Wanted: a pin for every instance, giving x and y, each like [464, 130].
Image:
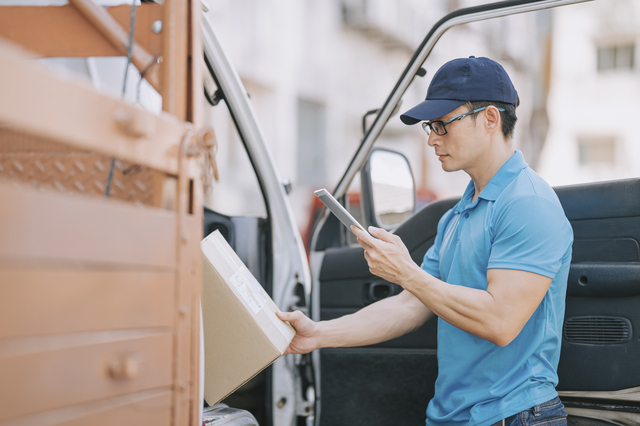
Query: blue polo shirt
[518, 223]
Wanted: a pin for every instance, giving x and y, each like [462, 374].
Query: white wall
[290, 49]
[585, 103]
[285, 50]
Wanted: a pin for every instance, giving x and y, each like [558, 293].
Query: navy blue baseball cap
[460, 81]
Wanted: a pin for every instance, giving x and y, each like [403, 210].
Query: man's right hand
[384, 320]
[306, 338]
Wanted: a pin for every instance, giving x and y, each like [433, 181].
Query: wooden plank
[71, 112]
[190, 274]
[182, 410]
[41, 227]
[189, 229]
[155, 412]
[183, 346]
[196, 224]
[196, 228]
[196, 101]
[61, 31]
[52, 301]
[175, 53]
[52, 379]
[144, 408]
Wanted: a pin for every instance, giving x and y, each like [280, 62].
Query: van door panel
[391, 383]
[387, 383]
[602, 319]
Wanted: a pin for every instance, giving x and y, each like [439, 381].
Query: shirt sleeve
[530, 234]
[431, 260]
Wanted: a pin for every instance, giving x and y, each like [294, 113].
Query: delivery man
[495, 276]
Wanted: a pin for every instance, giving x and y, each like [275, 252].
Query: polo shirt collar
[507, 173]
[465, 201]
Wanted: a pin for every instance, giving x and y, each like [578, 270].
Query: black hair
[508, 116]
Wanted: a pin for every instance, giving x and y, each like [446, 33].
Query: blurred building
[593, 105]
[313, 69]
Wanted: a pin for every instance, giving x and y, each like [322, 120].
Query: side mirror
[388, 190]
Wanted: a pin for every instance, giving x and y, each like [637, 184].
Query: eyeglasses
[440, 127]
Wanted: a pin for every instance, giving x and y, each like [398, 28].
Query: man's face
[464, 143]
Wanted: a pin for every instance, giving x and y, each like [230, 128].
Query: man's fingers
[284, 316]
[378, 233]
[358, 232]
[291, 317]
[385, 236]
[364, 239]
[381, 234]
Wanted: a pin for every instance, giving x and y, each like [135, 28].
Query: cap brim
[429, 110]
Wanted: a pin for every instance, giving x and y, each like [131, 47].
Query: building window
[616, 57]
[596, 151]
[311, 143]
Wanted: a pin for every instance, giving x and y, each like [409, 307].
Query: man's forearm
[378, 322]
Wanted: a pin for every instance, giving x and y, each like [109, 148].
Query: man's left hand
[386, 254]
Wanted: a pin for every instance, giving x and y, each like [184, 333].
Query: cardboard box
[242, 334]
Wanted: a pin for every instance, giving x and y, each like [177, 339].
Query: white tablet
[337, 209]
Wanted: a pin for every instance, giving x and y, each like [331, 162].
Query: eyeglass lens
[436, 126]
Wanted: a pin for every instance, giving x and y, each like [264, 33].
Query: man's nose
[433, 139]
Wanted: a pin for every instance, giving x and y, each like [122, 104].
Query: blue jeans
[549, 413]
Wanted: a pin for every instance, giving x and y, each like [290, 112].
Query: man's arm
[384, 320]
[497, 314]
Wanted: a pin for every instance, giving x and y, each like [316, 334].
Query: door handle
[377, 291]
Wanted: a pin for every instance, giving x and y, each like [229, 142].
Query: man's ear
[493, 117]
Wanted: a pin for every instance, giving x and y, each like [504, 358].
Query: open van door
[268, 243]
[392, 382]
